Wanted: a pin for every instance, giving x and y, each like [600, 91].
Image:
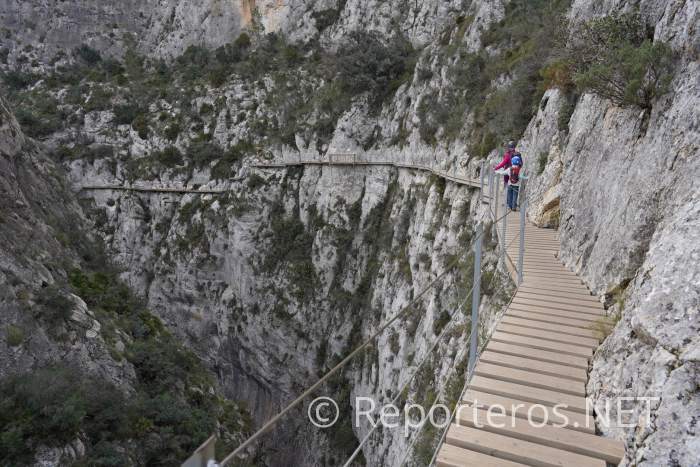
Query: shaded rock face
[38, 210]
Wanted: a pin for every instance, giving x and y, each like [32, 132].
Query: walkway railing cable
[413, 375]
[270, 423]
[420, 428]
[467, 384]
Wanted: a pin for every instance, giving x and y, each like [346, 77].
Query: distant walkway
[351, 160]
[151, 189]
[332, 160]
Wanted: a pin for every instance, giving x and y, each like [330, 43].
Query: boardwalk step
[537, 354]
[573, 291]
[561, 438]
[535, 366]
[590, 309]
[453, 456]
[541, 310]
[535, 380]
[545, 318]
[548, 334]
[563, 298]
[541, 344]
[535, 412]
[527, 393]
[548, 326]
[514, 449]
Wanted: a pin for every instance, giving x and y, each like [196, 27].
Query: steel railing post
[492, 177]
[496, 184]
[476, 296]
[481, 182]
[503, 228]
[521, 252]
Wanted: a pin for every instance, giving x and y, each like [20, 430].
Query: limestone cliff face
[270, 311]
[623, 188]
[50, 30]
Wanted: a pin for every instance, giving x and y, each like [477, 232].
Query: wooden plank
[453, 456]
[548, 269]
[516, 450]
[541, 282]
[541, 344]
[545, 318]
[522, 409]
[527, 393]
[543, 310]
[535, 380]
[562, 298]
[554, 276]
[548, 334]
[587, 309]
[550, 279]
[561, 438]
[537, 354]
[535, 366]
[548, 326]
[573, 291]
[556, 301]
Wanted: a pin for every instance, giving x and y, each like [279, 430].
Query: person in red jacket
[505, 163]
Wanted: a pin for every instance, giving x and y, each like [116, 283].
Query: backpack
[515, 174]
[517, 159]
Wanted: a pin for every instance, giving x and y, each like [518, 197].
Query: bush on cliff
[615, 57]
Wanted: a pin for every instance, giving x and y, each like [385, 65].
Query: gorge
[204, 313]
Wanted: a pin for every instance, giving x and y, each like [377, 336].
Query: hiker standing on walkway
[513, 175]
[505, 163]
[516, 165]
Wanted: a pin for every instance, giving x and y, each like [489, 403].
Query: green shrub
[87, 54]
[54, 306]
[326, 18]
[222, 169]
[172, 131]
[615, 57]
[367, 65]
[14, 335]
[169, 157]
[140, 125]
[16, 80]
[255, 181]
[126, 113]
[99, 290]
[567, 110]
[203, 153]
[100, 99]
[83, 152]
[39, 115]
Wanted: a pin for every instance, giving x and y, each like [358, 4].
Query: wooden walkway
[536, 358]
[142, 189]
[453, 175]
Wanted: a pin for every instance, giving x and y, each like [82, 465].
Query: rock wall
[623, 186]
